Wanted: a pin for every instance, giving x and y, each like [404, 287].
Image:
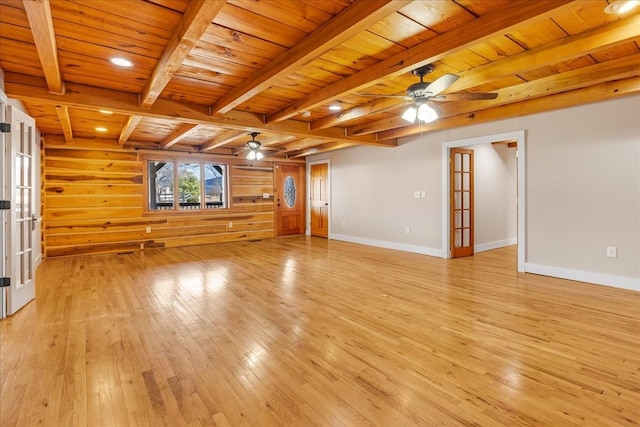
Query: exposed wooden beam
[91, 98]
[322, 149]
[65, 122]
[194, 23]
[356, 18]
[376, 106]
[223, 139]
[564, 49]
[571, 98]
[622, 68]
[570, 47]
[474, 32]
[41, 23]
[128, 128]
[178, 135]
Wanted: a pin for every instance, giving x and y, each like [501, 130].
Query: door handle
[326, 204]
[34, 219]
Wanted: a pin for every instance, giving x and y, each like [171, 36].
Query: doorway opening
[518, 138]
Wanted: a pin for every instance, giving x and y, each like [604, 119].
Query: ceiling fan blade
[464, 96]
[441, 83]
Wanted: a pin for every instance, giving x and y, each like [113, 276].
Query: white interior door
[20, 173]
[5, 140]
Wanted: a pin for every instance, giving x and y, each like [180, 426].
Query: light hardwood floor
[304, 331]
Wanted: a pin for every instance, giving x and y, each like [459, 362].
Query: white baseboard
[494, 245]
[388, 245]
[584, 276]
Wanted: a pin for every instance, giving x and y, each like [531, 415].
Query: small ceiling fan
[254, 147]
[421, 93]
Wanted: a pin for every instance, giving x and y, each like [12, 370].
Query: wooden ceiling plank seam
[178, 135]
[354, 19]
[224, 139]
[481, 29]
[128, 128]
[600, 92]
[65, 122]
[616, 69]
[612, 34]
[125, 103]
[194, 23]
[41, 23]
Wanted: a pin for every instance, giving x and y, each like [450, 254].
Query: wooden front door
[319, 200]
[461, 202]
[290, 207]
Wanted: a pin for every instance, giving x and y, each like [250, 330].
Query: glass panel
[23, 135]
[21, 241]
[26, 163]
[466, 218]
[465, 162]
[458, 219]
[457, 181]
[457, 239]
[466, 202]
[457, 163]
[457, 201]
[189, 185]
[465, 181]
[160, 185]
[214, 185]
[290, 192]
[466, 234]
[27, 203]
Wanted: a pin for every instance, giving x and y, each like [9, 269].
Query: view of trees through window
[192, 181]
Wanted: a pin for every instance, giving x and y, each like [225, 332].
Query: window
[185, 186]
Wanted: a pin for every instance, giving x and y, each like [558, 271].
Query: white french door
[19, 153]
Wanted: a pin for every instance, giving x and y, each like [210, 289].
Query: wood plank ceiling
[207, 73]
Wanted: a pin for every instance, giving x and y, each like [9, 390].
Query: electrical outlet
[142, 246]
[612, 251]
[407, 230]
[265, 195]
[148, 230]
[230, 224]
[344, 223]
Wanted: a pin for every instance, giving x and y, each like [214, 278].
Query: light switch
[416, 194]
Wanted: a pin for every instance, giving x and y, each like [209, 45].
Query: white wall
[583, 191]
[495, 201]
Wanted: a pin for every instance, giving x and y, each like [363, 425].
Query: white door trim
[519, 136]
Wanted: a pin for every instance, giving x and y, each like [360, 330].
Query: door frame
[308, 213]
[519, 136]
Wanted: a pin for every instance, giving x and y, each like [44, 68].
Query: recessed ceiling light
[620, 7]
[335, 107]
[107, 112]
[101, 129]
[121, 62]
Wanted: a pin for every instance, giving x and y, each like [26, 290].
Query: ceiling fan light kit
[620, 7]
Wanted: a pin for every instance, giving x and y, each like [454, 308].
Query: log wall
[94, 203]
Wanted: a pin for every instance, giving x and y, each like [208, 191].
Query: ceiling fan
[421, 93]
[254, 147]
